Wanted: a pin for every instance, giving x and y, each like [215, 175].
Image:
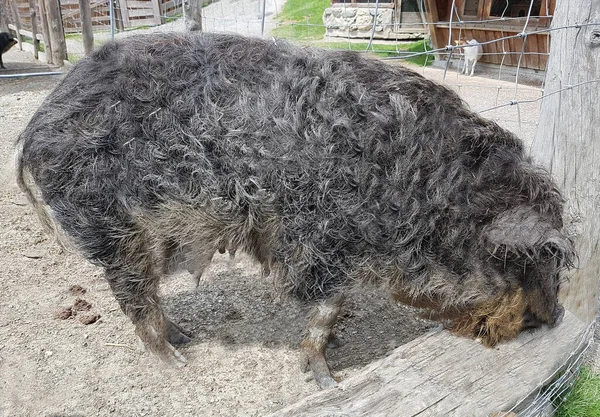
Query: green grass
[382, 50]
[420, 46]
[301, 20]
[73, 59]
[385, 50]
[583, 400]
[29, 40]
[74, 36]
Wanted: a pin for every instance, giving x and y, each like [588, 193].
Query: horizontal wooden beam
[27, 33]
[440, 374]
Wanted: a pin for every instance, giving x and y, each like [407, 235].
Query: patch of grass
[29, 40]
[583, 400]
[301, 20]
[73, 59]
[173, 18]
[74, 36]
[362, 46]
[385, 50]
[420, 46]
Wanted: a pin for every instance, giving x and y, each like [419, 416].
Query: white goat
[472, 52]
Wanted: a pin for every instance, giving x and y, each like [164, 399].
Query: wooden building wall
[482, 25]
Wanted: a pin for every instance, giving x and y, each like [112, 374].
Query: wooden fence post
[86, 26]
[124, 13]
[157, 11]
[192, 10]
[119, 18]
[45, 32]
[3, 20]
[566, 140]
[433, 18]
[15, 12]
[56, 32]
[34, 29]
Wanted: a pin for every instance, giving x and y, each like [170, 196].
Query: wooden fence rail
[26, 17]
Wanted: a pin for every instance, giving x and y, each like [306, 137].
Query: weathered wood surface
[56, 32]
[192, 10]
[17, 22]
[34, 28]
[566, 141]
[86, 26]
[440, 374]
[46, 31]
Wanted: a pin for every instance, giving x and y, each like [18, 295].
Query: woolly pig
[328, 168]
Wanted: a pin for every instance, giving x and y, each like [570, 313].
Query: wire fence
[515, 50]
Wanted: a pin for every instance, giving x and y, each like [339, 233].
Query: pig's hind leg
[137, 294]
[318, 336]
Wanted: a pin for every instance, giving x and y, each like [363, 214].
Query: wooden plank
[518, 48]
[439, 374]
[545, 48]
[133, 13]
[124, 12]
[132, 4]
[545, 11]
[45, 31]
[431, 12]
[500, 46]
[533, 47]
[34, 29]
[566, 142]
[509, 44]
[493, 49]
[23, 32]
[486, 7]
[192, 10]
[143, 22]
[157, 16]
[26, 32]
[86, 26]
[55, 26]
[17, 20]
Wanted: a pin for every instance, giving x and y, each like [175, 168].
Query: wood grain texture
[566, 141]
[440, 374]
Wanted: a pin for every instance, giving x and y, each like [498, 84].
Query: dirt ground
[244, 359]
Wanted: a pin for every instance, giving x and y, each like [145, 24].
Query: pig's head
[522, 253]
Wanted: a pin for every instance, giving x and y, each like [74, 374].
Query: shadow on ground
[238, 306]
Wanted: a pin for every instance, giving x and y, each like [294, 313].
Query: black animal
[6, 42]
[329, 168]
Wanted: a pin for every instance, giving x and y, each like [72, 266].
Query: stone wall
[357, 22]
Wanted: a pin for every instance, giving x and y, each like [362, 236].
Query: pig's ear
[524, 232]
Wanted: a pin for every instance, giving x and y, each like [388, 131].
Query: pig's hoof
[174, 358]
[176, 335]
[325, 381]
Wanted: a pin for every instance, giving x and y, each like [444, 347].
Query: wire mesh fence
[514, 37]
